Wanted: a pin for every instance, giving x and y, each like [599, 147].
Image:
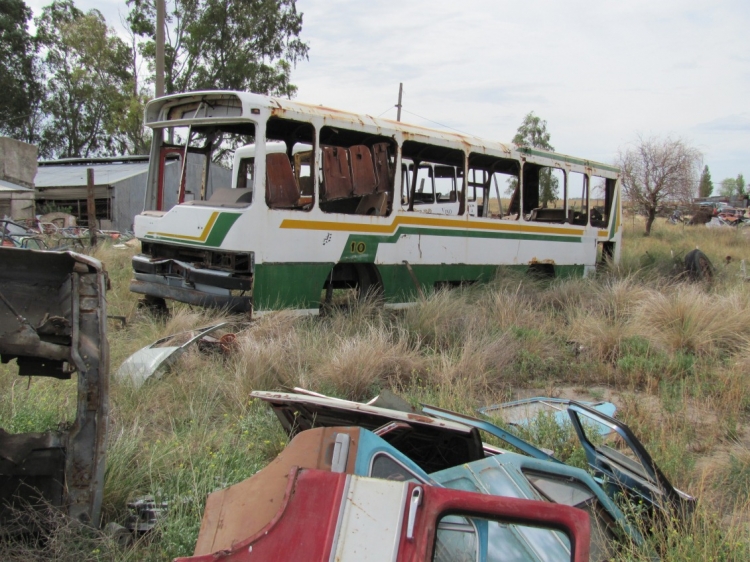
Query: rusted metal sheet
[326, 516]
[53, 322]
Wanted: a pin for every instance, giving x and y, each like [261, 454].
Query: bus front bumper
[176, 280]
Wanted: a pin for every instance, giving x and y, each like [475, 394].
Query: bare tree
[658, 172]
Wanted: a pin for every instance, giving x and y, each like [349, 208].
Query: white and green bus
[324, 200]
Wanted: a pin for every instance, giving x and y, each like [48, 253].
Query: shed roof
[9, 186]
[74, 175]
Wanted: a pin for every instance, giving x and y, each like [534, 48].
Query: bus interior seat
[282, 191]
[380, 157]
[337, 179]
[374, 204]
[364, 181]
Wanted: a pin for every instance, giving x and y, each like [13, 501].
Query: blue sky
[599, 71]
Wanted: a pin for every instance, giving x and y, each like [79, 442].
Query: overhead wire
[432, 121]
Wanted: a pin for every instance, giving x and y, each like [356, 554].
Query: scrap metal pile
[366, 482]
[55, 231]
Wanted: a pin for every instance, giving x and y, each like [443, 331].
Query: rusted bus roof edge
[386, 127]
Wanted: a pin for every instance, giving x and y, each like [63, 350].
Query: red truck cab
[327, 516]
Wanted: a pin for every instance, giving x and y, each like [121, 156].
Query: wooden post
[91, 205]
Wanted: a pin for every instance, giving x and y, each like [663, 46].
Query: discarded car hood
[431, 443]
[154, 359]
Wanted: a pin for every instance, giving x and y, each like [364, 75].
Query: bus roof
[236, 107]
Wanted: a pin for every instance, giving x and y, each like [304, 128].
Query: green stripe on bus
[362, 248]
[215, 238]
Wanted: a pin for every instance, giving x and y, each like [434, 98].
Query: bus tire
[155, 306]
[541, 271]
[369, 283]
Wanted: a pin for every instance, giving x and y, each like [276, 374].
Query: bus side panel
[289, 285]
[399, 286]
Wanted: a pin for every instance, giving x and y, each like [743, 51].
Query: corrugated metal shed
[68, 175]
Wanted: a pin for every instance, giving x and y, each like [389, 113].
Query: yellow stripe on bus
[201, 238]
[424, 221]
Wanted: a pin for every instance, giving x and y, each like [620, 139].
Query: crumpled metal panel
[53, 322]
[155, 358]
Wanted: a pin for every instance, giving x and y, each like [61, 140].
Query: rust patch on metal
[423, 419]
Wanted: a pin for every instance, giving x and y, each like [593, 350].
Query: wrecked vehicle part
[610, 466]
[635, 473]
[145, 514]
[521, 413]
[246, 507]
[353, 518]
[359, 451]
[432, 443]
[154, 359]
[519, 476]
[53, 322]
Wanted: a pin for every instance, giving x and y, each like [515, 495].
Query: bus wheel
[541, 271]
[349, 283]
[156, 306]
[369, 285]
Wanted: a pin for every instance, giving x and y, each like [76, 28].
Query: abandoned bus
[322, 200]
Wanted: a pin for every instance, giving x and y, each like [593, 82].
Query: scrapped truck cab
[334, 516]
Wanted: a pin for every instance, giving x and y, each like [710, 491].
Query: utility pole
[398, 105]
[160, 16]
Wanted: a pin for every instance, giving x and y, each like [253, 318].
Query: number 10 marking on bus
[357, 248]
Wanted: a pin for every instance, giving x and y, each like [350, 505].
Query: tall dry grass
[675, 357]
